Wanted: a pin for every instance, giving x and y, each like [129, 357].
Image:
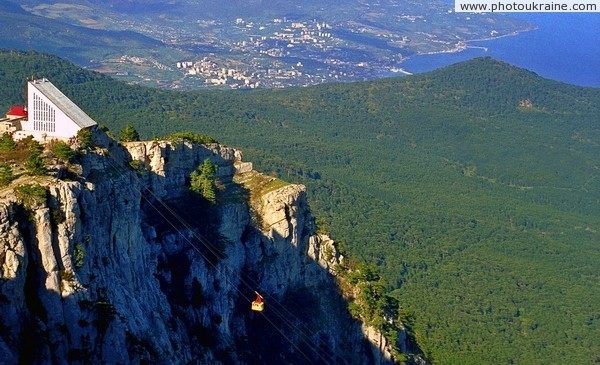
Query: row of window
[44, 115]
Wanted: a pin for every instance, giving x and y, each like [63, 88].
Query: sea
[563, 47]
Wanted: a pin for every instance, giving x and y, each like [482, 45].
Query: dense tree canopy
[473, 189]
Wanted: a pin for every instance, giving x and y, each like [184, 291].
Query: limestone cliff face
[121, 266]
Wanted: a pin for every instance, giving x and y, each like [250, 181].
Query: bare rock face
[171, 163]
[122, 266]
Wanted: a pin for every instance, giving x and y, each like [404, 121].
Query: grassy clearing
[258, 185]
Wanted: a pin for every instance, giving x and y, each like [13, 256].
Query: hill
[473, 188]
[82, 45]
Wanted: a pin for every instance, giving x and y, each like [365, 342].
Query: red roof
[17, 111]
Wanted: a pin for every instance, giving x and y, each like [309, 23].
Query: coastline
[562, 47]
[515, 33]
[463, 45]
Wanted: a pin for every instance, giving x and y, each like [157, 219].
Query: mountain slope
[24, 31]
[473, 188]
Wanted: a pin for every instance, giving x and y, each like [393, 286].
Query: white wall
[64, 127]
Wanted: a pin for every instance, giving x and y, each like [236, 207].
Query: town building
[17, 112]
[49, 115]
[13, 119]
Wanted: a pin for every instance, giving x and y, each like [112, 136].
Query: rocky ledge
[120, 265]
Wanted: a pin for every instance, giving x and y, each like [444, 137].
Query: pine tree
[129, 134]
[7, 143]
[35, 163]
[6, 174]
[85, 138]
[62, 151]
[202, 181]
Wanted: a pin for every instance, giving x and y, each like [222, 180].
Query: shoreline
[463, 45]
[513, 34]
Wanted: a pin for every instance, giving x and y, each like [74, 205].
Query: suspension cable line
[285, 318]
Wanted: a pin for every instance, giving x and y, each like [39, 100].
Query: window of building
[44, 115]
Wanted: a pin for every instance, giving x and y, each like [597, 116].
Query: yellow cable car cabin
[258, 305]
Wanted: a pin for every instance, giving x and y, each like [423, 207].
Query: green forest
[475, 189]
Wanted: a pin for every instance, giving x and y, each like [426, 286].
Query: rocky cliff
[119, 263]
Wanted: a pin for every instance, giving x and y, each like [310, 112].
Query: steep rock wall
[122, 266]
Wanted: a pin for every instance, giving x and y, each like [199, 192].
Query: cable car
[258, 305]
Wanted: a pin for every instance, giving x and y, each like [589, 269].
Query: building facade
[50, 114]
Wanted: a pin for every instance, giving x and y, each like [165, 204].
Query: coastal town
[278, 41]
[279, 49]
[273, 54]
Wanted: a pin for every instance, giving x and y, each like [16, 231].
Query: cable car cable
[233, 286]
[272, 308]
[211, 248]
[215, 251]
[207, 259]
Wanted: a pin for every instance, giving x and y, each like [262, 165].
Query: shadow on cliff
[308, 322]
[306, 319]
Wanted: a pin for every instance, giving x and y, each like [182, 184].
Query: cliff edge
[120, 263]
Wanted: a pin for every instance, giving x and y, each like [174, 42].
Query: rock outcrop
[123, 265]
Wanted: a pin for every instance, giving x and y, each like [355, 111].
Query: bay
[564, 47]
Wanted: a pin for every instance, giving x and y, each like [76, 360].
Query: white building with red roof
[13, 119]
[16, 112]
